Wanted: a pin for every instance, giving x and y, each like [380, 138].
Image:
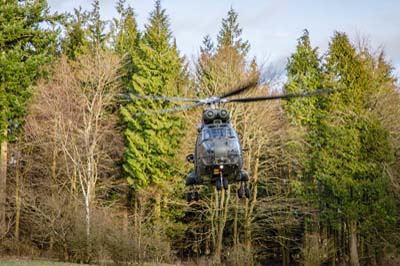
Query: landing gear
[243, 190]
[226, 184]
[192, 195]
[192, 180]
[218, 184]
[222, 182]
[247, 192]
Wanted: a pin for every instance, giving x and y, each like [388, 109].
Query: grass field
[35, 263]
[26, 262]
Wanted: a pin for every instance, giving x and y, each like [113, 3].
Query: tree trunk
[235, 226]
[353, 244]
[3, 183]
[125, 220]
[221, 222]
[17, 198]
[332, 252]
[88, 240]
[157, 216]
[285, 254]
[138, 225]
[219, 234]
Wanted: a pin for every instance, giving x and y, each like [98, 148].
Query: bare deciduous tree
[78, 106]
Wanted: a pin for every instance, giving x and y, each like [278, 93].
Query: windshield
[218, 132]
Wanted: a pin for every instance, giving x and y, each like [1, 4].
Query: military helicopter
[218, 157]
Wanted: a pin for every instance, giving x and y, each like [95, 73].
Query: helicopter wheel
[195, 196]
[218, 184]
[247, 192]
[226, 184]
[192, 196]
[240, 191]
[189, 197]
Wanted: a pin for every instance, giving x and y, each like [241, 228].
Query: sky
[271, 26]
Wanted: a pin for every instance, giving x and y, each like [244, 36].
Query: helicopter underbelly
[212, 165]
[214, 170]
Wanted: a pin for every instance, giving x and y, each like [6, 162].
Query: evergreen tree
[356, 150]
[97, 27]
[208, 46]
[344, 162]
[205, 74]
[304, 73]
[85, 30]
[226, 66]
[126, 39]
[230, 34]
[75, 33]
[24, 47]
[152, 140]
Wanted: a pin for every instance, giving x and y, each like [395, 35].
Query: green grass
[35, 263]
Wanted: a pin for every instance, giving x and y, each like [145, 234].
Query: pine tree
[345, 163]
[230, 34]
[225, 66]
[24, 47]
[153, 140]
[126, 39]
[205, 74]
[304, 73]
[125, 29]
[85, 31]
[75, 37]
[97, 36]
[357, 147]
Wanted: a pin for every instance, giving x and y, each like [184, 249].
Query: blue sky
[271, 26]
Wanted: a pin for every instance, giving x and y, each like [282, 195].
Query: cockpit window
[218, 132]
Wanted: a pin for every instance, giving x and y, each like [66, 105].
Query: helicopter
[218, 156]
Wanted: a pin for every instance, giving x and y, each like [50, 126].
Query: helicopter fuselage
[218, 155]
[218, 152]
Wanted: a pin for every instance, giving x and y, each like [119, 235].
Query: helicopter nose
[221, 160]
[221, 152]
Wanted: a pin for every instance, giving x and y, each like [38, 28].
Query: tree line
[83, 179]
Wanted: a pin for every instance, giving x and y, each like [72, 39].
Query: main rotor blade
[170, 110]
[166, 98]
[239, 90]
[160, 98]
[284, 96]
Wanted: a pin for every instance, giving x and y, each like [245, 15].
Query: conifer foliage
[24, 47]
[152, 141]
[349, 148]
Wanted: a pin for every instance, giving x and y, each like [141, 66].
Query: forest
[83, 179]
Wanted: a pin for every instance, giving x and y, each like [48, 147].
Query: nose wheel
[222, 182]
[243, 190]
